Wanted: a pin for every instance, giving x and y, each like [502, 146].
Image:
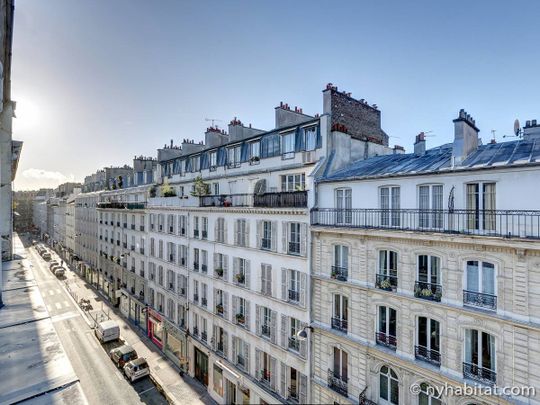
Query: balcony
[219, 309]
[141, 228]
[240, 319]
[240, 279]
[226, 200]
[133, 227]
[289, 199]
[195, 297]
[125, 224]
[362, 400]
[337, 383]
[118, 224]
[265, 330]
[218, 273]
[132, 269]
[428, 291]
[481, 300]
[292, 395]
[195, 331]
[195, 266]
[122, 206]
[294, 343]
[265, 376]
[339, 273]
[204, 301]
[294, 248]
[132, 248]
[294, 296]
[386, 340]
[182, 291]
[203, 336]
[425, 354]
[195, 233]
[266, 243]
[204, 268]
[480, 374]
[501, 223]
[141, 251]
[124, 245]
[386, 282]
[204, 234]
[339, 324]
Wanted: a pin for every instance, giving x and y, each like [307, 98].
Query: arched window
[428, 278]
[479, 356]
[387, 276]
[388, 386]
[340, 313]
[428, 395]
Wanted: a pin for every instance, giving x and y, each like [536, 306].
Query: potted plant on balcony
[386, 285]
[152, 191]
[240, 318]
[200, 188]
[219, 308]
[219, 272]
[254, 159]
[167, 190]
[240, 278]
[333, 274]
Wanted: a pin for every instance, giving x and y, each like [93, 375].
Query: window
[294, 238]
[171, 252]
[170, 223]
[220, 230]
[428, 395]
[430, 204]
[479, 356]
[294, 286]
[339, 375]
[160, 249]
[204, 223]
[428, 278]
[196, 259]
[311, 138]
[254, 152]
[386, 329]
[266, 241]
[195, 227]
[390, 204]
[213, 160]
[428, 341]
[480, 285]
[220, 266]
[196, 163]
[182, 225]
[387, 277]
[266, 321]
[160, 275]
[293, 182]
[152, 247]
[241, 232]
[343, 205]
[288, 144]
[204, 294]
[340, 313]
[266, 279]
[215, 188]
[388, 386]
[182, 255]
[218, 380]
[195, 291]
[481, 206]
[241, 276]
[340, 269]
[233, 154]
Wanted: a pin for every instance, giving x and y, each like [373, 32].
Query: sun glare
[28, 115]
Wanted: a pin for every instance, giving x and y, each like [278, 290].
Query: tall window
[388, 386]
[340, 269]
[311, 138]
[213, 160]
[481, 206]
[266, 321]
[340, 313]
[233, 154]
[287, 145]
[390, 205]
[343, 205]
[294, 286]
[266, 241]
[204, 223]
[430, 203]
[387, 278]
[254, 152]
[340, 371]
[387, 327]
[480, 285]
[479, 356]
[294, 238]
[428, 279]
[428, 395]
[196, 227]
[428, 341]
[182, 225]
[241, 232]
[220, 230]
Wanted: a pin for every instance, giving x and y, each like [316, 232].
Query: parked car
[107, 331]
[136, 369]
[53, 263]
[59, 272]
[46, 256]
[121, 355]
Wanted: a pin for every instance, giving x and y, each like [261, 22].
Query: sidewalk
[33, 364]
[177, 389]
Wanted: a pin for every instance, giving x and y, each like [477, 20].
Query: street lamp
[302, 335]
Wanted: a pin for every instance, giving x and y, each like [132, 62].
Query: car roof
[139, 361]
[125, 349]
[108, 324]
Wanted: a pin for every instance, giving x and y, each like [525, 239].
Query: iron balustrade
[292, 394]
[285, 199]
[141, 250]
[125, 224]
[141, 228]
[219, 309]
[294, 295]
[294, 248]
[122, 206]
[362, 400]
[386, 282]
[203, 336]
[429, 355]
[240, 361]
[501, 223]
[478, 299]
[196, 297]
[480, 374]
[133, 227]
[386, 340]
[266, 243]
[226, 200]
[118, 224]
[195, 233]
[339, 273]
[337, 383]
[204, 268]
[265, 330]
[294, 343]
[339, 324]
[132, 248]
[204, 302]
[204, 234]
[195, 331]
[428, 291]
[265, 376]
[196, 266]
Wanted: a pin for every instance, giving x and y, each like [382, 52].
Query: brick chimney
[465, 137]
[420, 144]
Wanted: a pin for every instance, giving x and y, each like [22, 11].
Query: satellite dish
[517, 127]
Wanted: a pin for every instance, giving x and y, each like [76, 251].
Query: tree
[200, 188]
[167, 190]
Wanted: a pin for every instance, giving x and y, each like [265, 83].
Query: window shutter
[303, 344]
[224, 231]
[236, 232]
[246, 236]
[273, 327]
[258, 321]
[303, 239]
[284, 229]
[284, 284]
[263, 278]
[216, 230]
[247, 315]
[269, 279]
[248, 273]
[234, 354]
[284, 337]
[214, 337]
[225, 344]
[235, 267]
[302, 389]
[257, 363]
[235, 307]
[225, 305]
[246, 357]
[303, 282]
[259, 234]
[273, 372]
[226, 267]
[215, 297]
[283, 380]
[273, 242]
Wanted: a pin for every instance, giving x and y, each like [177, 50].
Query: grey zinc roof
[439, 159]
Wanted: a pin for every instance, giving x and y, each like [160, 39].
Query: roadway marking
[117, 373]
[63, 317]
[146, 390]
[58, 305]
[66, 304]
[51, 292]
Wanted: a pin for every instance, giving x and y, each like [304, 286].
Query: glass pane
[472, 276]
[423, 268]
[488, 278]
[422, 331]
[394, 394]
[382, 319]
[393, 322]
[383, 387]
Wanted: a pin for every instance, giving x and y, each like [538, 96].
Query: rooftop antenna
[493, 135]
[213, 120]
[429, 134]
[517, 130]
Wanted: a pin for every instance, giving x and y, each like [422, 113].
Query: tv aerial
[212, 120]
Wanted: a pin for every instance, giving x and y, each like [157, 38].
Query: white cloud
[46, 175]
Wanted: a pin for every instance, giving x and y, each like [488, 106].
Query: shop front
[137, 312]
[176, 345]
[155, 328]
[201, 366]
[124, 303]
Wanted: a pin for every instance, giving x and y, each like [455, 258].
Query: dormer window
[195, 163]
[233, 154]
[311, 138]
[213, 160]
[254, 152]
[287, 145]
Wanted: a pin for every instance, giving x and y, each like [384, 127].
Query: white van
[107, 331]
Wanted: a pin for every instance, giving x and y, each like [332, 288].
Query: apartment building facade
[424, 268]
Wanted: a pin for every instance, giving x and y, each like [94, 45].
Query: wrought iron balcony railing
[122, 206]
[294, 343]
[429, 355]
[265, 330]
[386, 340]
[288, 199]
[362, 400]
[339, 273]
[480, 374]
[386, 282]
[428, 291]
[501, 223]
[337, 383]
[226, 200]
[294, 296]
[339, 324]
[481, 300]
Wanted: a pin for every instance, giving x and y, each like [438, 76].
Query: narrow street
[101, 381]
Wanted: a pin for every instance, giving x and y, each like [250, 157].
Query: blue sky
[99, 81]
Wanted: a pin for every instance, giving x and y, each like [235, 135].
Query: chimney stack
[420, 144]
[465, 137]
